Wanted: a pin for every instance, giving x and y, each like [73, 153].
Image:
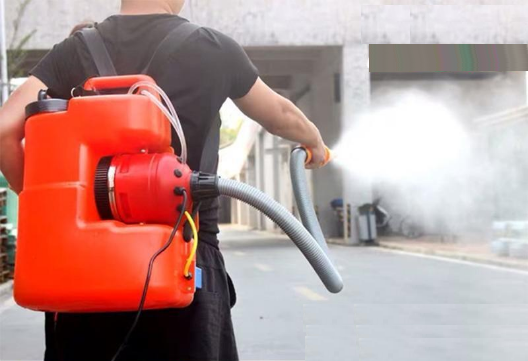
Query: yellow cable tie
[195, 244]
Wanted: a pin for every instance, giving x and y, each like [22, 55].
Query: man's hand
[318, 156]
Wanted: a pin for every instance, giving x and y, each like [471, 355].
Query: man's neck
[144, 7]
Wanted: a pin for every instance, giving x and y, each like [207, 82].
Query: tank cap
[46, 106]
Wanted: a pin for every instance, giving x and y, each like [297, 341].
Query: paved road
[394, 307]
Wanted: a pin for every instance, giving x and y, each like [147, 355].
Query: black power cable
[149, 274]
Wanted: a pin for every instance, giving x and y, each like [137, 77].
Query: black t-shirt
[206, 70]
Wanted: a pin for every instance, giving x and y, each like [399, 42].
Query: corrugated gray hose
[312, 250]
[302, 197]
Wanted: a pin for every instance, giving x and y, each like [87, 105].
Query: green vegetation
[228, 136]
[232, 120]
[16, 54]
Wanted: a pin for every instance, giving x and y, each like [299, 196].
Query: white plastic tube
[167, 110]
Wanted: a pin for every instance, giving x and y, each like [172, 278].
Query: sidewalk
[469, 250]
[465, 249]
[6, 289]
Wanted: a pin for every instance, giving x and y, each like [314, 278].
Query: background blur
[431, 162]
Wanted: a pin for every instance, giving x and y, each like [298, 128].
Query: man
[207, 69]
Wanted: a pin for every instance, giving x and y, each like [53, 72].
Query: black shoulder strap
[209, 160]
[98, 51]
[103, 62]
[172, 42]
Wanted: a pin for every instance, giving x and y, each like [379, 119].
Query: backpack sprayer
[106, 201]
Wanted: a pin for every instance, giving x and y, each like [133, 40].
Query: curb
[457, 256]
[6, 289]
[251, 236]
[343, 242]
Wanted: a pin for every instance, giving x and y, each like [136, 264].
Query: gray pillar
[325, 100]
[356, 98]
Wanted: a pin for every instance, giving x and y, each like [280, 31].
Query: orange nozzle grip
[328, 155]
[308, 155]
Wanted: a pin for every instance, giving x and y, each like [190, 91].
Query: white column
[355, 100]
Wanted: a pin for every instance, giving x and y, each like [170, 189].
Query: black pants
[201, 332]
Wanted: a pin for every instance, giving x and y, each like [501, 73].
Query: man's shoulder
[213, 42]
[212, 36]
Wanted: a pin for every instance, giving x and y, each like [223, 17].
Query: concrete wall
[502, 137]
[54, 19]
[346, 24]
[309, 22]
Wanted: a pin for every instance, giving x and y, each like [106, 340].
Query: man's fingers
[314, 165]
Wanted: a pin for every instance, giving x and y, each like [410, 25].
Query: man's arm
[12, 118]
[281, 117]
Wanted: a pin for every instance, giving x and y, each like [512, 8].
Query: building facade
[317, 54]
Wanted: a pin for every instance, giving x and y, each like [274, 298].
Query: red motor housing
[142, 188]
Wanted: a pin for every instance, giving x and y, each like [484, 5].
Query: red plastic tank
[68, 259]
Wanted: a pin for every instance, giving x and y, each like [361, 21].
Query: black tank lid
[44, 105]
